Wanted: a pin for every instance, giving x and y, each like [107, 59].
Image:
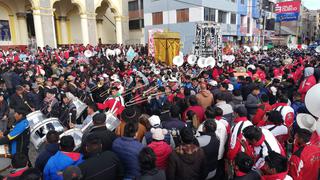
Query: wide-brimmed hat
[130, 114]
[318, 127]
[70, 78]
[306, 121]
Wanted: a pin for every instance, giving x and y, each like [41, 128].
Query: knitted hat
[158, 133]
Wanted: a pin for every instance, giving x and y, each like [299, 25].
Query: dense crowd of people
[244, 120]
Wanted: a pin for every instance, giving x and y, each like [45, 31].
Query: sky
[312, 4]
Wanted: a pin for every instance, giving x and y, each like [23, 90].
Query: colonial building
[136, 22]
[59, 22]
[183, 15]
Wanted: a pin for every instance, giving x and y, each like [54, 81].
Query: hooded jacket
[100, 166]
[205, 98]
[187, 162]
[44, 156]
[127, 149]
[57, 163]
[162, 151]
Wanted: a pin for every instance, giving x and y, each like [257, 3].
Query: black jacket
[17, 102]
[210, 145]
[104, 134]
[252, 175]
[102, 166]
[64, 115]
[153, 174]
[4, 109]
[48, 151]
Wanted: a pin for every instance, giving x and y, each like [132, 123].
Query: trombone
[144, 94]
[128, 91]
[105, 93]
[96, 87]
[143, 99]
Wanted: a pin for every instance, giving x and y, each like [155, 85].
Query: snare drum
[40, 130]
[34, 118]
[76, 134]
[5, 155]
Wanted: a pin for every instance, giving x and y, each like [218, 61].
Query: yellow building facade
[62, 22]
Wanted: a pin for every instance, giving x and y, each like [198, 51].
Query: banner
[287, 17]
[151, 40]
[287, 7]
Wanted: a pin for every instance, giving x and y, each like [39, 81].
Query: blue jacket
[128, 149]
[48, 151]
[58, 162]
[18, 137]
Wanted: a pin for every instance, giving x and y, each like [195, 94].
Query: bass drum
[40, 130]
[34, 118]
[76, 134]
[80, 106]
[112, 122]
[5, 160]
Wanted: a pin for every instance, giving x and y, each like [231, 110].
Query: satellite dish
[192, 59]
[178, 61]
[312, 100]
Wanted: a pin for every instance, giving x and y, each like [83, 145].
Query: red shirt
[279, 176]
[305, 163]
[109, 103]
[198, 110]
[305, 85]
[315, 139]
[261, 111]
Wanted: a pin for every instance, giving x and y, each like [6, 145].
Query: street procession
[175, 106]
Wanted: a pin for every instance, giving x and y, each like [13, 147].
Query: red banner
[287, 7]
